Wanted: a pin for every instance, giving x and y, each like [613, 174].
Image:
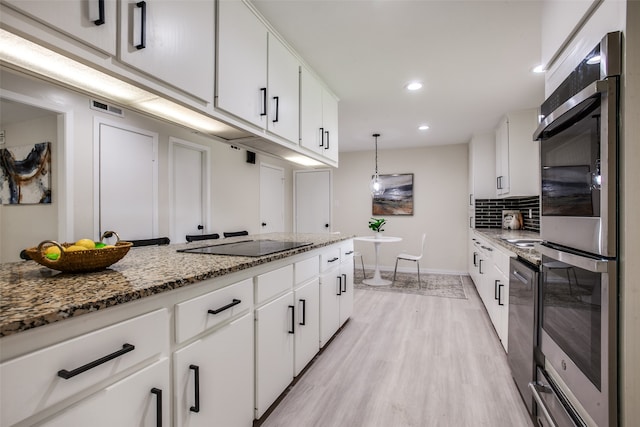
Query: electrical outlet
[2, 137]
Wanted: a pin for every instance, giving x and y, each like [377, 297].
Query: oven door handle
[594, 265]
[591, 91]
[536, 389]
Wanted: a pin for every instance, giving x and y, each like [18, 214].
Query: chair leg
[418, 264]
[362, 262]
[395, 270]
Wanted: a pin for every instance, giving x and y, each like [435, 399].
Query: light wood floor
[408, 360]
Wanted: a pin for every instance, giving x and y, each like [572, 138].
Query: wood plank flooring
[407, 360]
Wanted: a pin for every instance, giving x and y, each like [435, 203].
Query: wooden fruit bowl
[80, 261]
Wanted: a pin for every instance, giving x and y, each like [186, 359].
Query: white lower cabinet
[213, 378]
[346, 291]
[275, 328]
[141, 399]
[330, 290]
[307, 323]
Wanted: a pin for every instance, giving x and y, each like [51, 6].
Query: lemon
[52, 250]
[86, 243]
[74, 248]
[109, 246]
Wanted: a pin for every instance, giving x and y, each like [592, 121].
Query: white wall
[40, 220]
[440, 204]
[235, 183]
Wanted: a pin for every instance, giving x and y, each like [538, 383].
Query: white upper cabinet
[517, 155]
[242, 63]
[258, 77]
[92, 22]
[283, 90]
[318, 117]
[482, 157]
[173, 41]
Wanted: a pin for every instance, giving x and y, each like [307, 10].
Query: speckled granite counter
[496, 235]
[32, 295]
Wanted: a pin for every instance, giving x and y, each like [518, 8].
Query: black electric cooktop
[246, 248]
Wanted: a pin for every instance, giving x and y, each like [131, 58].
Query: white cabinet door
[307, 324]
[502, 158]
[141, 399]
[312, 201]
[172, 41]
[346, 291]
[330, 123]
[330, 289]
[311, 128]
[283, 73]
[242, 63]
[501, 310]
[275, 327]
[80, 19]
[213, 378]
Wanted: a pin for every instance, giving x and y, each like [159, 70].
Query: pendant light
[376, 186]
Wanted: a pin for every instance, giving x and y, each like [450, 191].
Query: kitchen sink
[523, 243]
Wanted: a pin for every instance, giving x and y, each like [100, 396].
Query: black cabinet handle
[339, 285]
[100, 19]
[495, 289]
[263, 92]
[470, 199]
[480, 266]
[470, 222]
[348, 253]
[321, 137]
[333, 260]
[344, 284]
[326, 147]
[475, 259]
[158, 394]
[500, 286]
[143, 23]
[126, 348]
[277, 99]
[293, 319]
[196, 380]
[264, 224]
[200, 227]
[226, 307]
[304, 312]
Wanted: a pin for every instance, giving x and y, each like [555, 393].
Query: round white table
[377, 240]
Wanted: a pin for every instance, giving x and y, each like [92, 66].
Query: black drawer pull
[348, 253]
[100, 19]
[293, 319]
[333, 259]
[226, 307]
[304, 312]
[143, 23]
[158, 394]
[63, 373]
[196, 380]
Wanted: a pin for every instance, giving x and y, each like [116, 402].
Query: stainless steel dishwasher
[523, 326]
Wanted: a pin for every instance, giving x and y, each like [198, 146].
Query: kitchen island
[168, 335]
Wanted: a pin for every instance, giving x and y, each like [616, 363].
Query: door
[190, 189]
[271, 199]
[313, 201]
[307, 316]
[127, 181]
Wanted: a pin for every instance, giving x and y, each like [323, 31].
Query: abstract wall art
[397, 198]
[25, 174]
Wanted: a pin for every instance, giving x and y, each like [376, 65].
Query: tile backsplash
[489, 212]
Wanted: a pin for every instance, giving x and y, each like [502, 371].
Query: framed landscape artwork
[397, 198]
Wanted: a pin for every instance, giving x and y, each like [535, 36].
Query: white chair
[359, 254]
[414, 258]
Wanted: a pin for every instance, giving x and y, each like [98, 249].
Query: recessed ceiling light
[423, 127]
[414, 86]
[539, 69]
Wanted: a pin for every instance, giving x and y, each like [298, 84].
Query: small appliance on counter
[512, 220]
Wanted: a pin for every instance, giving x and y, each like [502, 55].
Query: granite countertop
[32, 295]
[496, 235]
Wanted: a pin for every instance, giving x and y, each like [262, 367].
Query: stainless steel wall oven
[578, 306]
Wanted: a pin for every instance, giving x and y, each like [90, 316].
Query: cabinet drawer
[329, 258]
[346, 251]
[501, 260]
[306, 270]
[31, 382]
[194, 316]
[273, 283]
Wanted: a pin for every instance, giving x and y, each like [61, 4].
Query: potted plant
[376, 225]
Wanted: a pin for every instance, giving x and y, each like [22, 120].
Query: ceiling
[475, 59]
